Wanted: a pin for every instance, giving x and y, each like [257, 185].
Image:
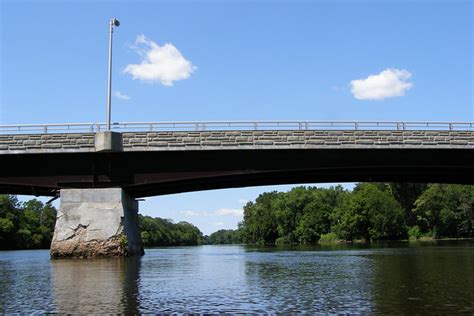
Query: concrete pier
[96, 223]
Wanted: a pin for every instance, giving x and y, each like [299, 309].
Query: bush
[414, 233]
[329, 237]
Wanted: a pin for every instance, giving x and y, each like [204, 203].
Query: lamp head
[115, 22]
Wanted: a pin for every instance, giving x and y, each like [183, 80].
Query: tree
[406, 194]
[163, 232]
[260, 224]
[316, 219]
[446, 210]
[370, 214]
[25, 225]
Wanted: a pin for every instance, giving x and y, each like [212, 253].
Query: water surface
[435, 277]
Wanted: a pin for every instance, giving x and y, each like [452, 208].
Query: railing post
[45, 129]
[450, 126]
[356, 125]
[255, 126]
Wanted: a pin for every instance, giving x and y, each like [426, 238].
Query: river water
[428, 277]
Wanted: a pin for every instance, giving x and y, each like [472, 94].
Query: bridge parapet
[245, 139]
[43, 143]
[295, 139]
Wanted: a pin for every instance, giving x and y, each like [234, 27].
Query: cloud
[389, 83]
[229, 211]
[163, 64]
[243, 201]
[190, 213]
[119, 95]
[218, 224]
[219, 212]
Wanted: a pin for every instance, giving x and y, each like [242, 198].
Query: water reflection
[424, 279]
[405, 278]
[107, 285]
[25, 282]
[315, 281]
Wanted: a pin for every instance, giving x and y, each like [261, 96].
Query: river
[426, 277]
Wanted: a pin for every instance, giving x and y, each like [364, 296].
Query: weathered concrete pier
[96, 223]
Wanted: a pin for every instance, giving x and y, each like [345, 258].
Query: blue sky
[235, 60]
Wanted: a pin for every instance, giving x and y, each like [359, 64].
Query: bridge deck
[154, 163]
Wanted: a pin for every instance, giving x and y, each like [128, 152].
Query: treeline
[224, 237]
[303, 215]
[27, 225]
[157, 232]
[371, 212]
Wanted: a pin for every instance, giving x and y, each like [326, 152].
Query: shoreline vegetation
[371, 212]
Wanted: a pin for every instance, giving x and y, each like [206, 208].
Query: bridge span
[146, 159]
[200, 155]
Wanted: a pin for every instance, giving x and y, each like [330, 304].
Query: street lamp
[113, 22]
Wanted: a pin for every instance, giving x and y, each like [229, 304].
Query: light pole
[113, 22]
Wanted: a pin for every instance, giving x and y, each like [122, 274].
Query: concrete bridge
[94, 170]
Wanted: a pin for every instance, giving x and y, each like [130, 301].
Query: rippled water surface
[395, 278]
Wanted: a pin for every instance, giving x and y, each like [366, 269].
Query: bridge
[91, 169]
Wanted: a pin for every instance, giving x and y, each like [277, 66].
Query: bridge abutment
[96, 223]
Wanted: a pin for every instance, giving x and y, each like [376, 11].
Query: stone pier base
[96, 223]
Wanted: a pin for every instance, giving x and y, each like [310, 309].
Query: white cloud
[389, 83]
[190, 213]
[163, 64]
[218, 224]
[229, 211]
[219, 212]
[119, 95]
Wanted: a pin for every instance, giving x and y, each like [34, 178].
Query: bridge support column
[96, 223]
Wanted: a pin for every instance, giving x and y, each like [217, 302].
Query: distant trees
[372, 211]
[28, 225]
[224, 237]
[157, 231]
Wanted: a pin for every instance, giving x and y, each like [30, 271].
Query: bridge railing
[234, 125]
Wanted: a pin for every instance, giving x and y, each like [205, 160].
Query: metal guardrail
[234, 125]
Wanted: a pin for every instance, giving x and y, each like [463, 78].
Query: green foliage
[25, 225]
[225, 236]
[299, 216]
[163, 232]
[378, 211]
[329, 237]
[260, 223]
[414, 233]
[406, 194]
[446, 210]
[123, 241]
[370, 214]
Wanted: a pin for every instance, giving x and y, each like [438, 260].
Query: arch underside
[151, 173]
